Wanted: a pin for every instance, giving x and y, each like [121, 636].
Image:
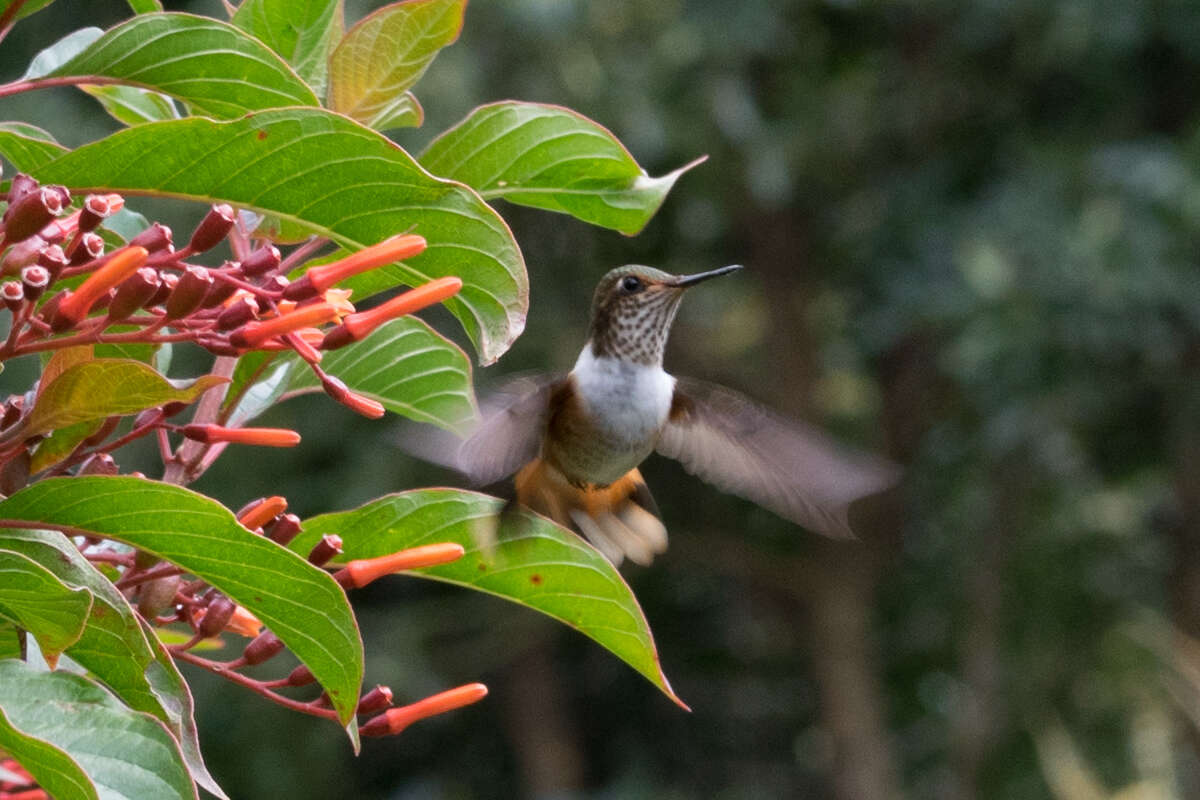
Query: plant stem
[217, 668]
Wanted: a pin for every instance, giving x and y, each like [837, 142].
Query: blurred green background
[970, 232]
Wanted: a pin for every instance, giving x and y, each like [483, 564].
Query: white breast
[629, 402]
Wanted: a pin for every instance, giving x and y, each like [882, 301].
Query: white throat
[630, 401]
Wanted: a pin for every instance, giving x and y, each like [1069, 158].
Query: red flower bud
[219, 293]
[167, 281]
[258, 513]
[98, 464]
[133, 293]
[239, 312]
[357, 326]
[158, 595]
[263, 647]
[14, 295]
[156, 237]
[335, 388]
[53, 259]
[31, 213]
[394, 720]
[360, 572]
[255, 333]
[189, 293]
[35, 279]
[213, 228]
[98, 207]
[317, 279]
[329, 546]
[264, 437]
[22, 254]
[216, 616]
[90, 247]
[284, 529]
[261, 261]
[21, 185]
[377, 699]
[120, 266]
[300, 676]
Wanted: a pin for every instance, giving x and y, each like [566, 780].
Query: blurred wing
[785, 466]
[508, 436]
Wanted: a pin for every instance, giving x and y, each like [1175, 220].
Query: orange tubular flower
[394, 720]
[254, 333]
[120, 266]
[262, 512]
[357, 326]
[318, 279]
[264, 437]
[360, 572]
[243, 623]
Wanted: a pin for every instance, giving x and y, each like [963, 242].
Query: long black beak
[685, 281]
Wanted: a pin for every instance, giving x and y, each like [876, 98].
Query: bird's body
[575, 442]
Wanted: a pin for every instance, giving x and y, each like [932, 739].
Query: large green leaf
[334, 177]
[123, 753]
[304, 33]
[532, 562]
[115, 648]
[382, 56]
[553, 158]
[32, 597]
[28, 147]
[405, 365]
[217, 69]
[300, 603]
[62, 51]
[105, 387]
[50, 766]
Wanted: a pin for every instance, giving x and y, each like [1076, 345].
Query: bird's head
[633, 309]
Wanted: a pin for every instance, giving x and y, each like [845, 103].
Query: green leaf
[59, 53]
[115, 648]
[30, 7]
[28, 147]
[304, 33]
[126, 224]
[336, 178]
[551, 158]
[11, 645]
[50, 766]
[300, 603]
[133, 105]
[145, 6]
[105, 387]
[61, 443]
[214, 67]
[535, 563]
[124, 753]
[40, 603]
[258, 381]
[405, 365]
[387, 52]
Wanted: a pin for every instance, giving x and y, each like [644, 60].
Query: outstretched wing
[785, 466]
[508, 436]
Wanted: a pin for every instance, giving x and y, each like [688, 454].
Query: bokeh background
[970, 232]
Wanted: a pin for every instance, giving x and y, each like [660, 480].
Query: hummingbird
[574, 442]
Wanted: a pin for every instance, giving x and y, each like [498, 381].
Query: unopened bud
[53, 259]
[261, 261]
[284, 529]
[263, 647]
[324, 550]
[31, 213]
[394, 720]
[189, 293]
[264, 437]
[167, 281]
[35, 279]
[258, 513]
[300, 676]
[99, 464]
[21, 185]
[359, 404]
[213, 228]
[14, 295]
[216, 616]
[239, 312]
[133, 294]
[377, 699]
[156, 237]
[22, 254]
[90, 247]
[98, 207]
[219, 293]
[158, 595]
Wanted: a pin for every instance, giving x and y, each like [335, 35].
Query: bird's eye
[631, 283]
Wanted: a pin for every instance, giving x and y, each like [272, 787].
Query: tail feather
[619, 519]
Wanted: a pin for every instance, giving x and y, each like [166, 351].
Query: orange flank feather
[613, 517]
